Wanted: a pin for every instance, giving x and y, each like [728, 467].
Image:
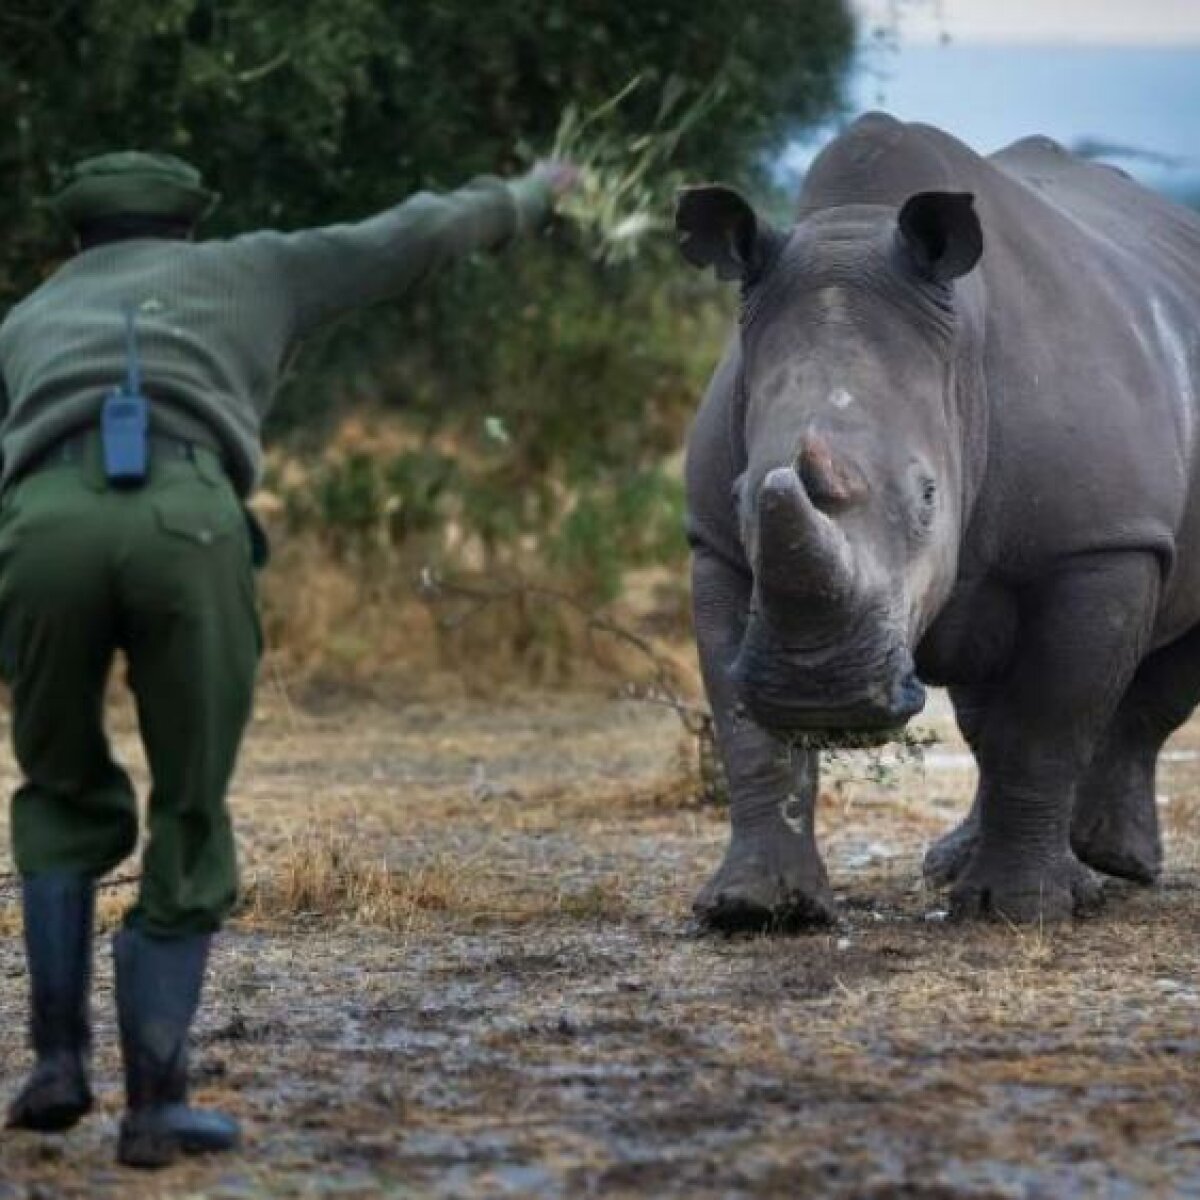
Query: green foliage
[624, 522]
[350, 498]
[594, 375]
[305, 112]
[365, 501]
[564, 382]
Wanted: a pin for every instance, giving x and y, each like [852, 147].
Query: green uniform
[164, 572]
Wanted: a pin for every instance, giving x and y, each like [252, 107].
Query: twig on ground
[434, 588]
[696, 720]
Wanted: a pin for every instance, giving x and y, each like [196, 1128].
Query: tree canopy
[324, 109]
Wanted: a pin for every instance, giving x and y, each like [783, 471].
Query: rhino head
[854, 342]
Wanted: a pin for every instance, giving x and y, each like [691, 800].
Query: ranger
[133, 386]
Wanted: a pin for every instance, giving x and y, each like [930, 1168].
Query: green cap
[129, 183]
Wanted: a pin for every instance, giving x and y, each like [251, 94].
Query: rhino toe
[947, 858]
[1041, 895]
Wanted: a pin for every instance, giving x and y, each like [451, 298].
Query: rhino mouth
[865, 722]
[854, 695]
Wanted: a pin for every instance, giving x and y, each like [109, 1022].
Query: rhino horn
[801, 554]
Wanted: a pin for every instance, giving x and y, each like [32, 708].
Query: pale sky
[1119, 77]
[1094, 22]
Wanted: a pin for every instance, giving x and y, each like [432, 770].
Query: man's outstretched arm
[330, 270]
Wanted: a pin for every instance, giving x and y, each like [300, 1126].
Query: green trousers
[164, 574]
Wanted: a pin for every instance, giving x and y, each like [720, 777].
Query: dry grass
[345, 604]
[335, 878]
[362, 621]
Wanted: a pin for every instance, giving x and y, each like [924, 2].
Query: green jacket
[217, 320]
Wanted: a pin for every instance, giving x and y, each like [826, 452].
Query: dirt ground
[465, 967]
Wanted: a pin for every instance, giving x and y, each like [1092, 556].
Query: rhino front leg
[1115, 827]
[772, 876]
[1081, 638]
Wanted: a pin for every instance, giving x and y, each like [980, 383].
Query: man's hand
[560, 174]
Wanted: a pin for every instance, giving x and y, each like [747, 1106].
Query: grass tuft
[338, 876]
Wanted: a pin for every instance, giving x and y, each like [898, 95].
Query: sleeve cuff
[534, 201]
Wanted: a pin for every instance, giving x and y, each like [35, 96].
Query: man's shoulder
[32, 300]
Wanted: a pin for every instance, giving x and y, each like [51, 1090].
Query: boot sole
[150, 1151]
[54, 1119]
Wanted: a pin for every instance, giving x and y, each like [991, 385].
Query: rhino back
[1091, 347]
[1094, 365]
[1110, 205]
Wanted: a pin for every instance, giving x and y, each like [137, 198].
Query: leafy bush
[553, 448]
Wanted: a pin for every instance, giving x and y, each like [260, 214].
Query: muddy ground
[465, 967]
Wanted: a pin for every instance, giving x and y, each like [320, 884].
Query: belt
[75, 447]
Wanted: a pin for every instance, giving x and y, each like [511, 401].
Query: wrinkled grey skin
[953, 441]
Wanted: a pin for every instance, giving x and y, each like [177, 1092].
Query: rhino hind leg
[1115, 823]
[947, 858]
[1114, 828]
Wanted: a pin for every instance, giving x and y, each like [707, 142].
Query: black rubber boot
[59, 910]
[158, 992]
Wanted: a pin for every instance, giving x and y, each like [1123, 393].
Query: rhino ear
[718, 228]
[941, 233]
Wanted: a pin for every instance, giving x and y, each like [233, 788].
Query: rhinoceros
[952, 441]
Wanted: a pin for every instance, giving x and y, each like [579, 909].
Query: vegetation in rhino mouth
[868, 755]
[903, 741]
[844, 739]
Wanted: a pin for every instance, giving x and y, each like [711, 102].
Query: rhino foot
[947, 858]
[1047, 893]
[1118, 837]
[767, 884]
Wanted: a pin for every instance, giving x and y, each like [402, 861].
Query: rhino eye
[927, 490]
